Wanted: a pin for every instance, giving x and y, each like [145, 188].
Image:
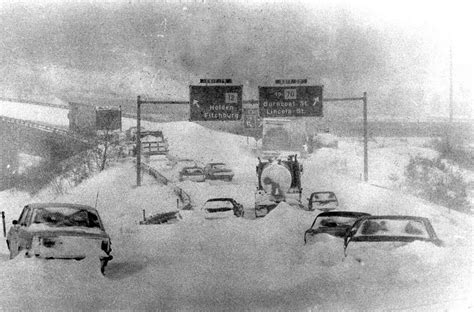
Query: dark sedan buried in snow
[323, 201]
[194, 174]
[218, 171]
[400, 230]
[59, 231]
[335, 223]
[220, 208]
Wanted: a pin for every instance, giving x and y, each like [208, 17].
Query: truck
[279, 180]
[87, 119]
[152, 142]
[283, 135]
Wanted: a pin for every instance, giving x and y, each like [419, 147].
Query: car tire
[103, 264]
[14, 250]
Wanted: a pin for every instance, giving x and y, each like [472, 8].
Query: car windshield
[219, 166]
[322, 197]
[391, 227]
[218, 204]
[193, 171]
[66, 216]
[332, 221]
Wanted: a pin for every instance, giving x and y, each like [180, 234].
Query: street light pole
[366, 140]
[138, 144]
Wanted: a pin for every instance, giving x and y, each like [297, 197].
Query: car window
[65, 217]
[218, 204]
[392, 227]
[24, 216]
[219, 166]
[193, 171]
[324, 197]
[331, 221]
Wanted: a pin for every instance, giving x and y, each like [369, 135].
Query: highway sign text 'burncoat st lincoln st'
[291, 101]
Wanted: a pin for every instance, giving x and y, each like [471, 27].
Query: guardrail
[34, 102]
[182, 195]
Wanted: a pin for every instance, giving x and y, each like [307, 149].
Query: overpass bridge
[49, 142]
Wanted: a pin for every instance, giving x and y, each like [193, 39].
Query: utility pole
[138, 144]
[450, 126]
[450, 84]
[366, 140]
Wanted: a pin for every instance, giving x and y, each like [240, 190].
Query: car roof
[397, 217]
[340, 213]
[70, 205]
[219, 198]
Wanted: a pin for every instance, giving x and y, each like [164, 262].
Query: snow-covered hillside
[241, 263]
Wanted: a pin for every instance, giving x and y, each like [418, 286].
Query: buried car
[324, 201]
[335, 223]
[59, 231]
[195, 174]
[399, 230]
[218, 171]
[220, 208]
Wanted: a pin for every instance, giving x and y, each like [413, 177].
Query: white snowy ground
[242, 264]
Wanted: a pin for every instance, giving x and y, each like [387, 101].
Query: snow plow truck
[278, 180]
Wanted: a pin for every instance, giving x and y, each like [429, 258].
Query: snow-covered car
[324, 201]
[392, 229]
[221, 208]
[59, 231]
[195, 174]
[335, 223]
[218, 171]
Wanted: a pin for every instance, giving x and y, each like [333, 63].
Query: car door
[24, 236]
[15, 233]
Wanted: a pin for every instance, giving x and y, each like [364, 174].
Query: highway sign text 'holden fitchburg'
[221, 102]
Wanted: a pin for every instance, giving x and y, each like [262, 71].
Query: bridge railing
[50, 129]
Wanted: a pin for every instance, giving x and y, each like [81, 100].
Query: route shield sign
[215, 103]
[291, 101]
[251, 119]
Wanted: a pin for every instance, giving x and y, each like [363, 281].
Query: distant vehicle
[218, 171]
[391, 229]
[278, 180]
[324, 201]
[59, 231]
[195, 174]
[220, 208]
[152, 142]
[335, 223]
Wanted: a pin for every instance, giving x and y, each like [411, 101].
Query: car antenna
[96, 199]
